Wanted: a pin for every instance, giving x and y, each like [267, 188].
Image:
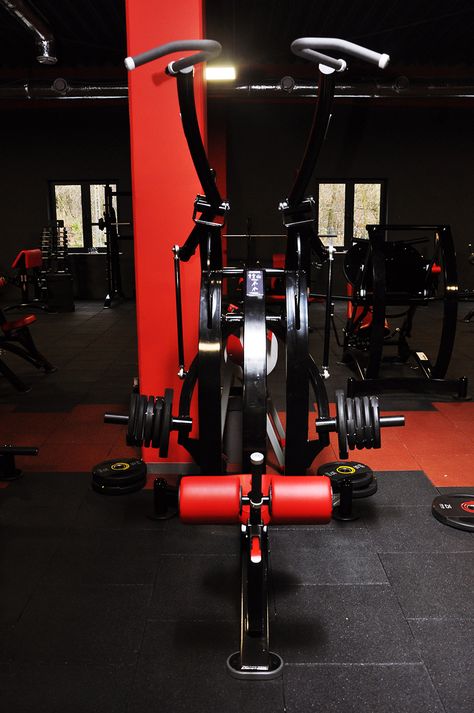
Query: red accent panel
[235, 350]
[19, 323]
[209, 499]
[255, 550]
[28, 259]
[164, 186]
[300, 499]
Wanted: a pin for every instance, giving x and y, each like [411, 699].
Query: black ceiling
[257, 33]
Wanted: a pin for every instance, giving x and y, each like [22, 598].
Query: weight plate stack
[364, 482]
[357, 423]
[119, 477]
[150, 421]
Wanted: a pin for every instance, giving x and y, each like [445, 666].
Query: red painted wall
[164, 185]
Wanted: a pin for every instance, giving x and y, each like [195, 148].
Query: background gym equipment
[455, 510]
[56, 273]
[469, 294]
[234, 358]
[8, 469]
[17, 339]
[28, 266]
[391, 279]
[109, 223]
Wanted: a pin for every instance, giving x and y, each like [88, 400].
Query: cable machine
[234, 341]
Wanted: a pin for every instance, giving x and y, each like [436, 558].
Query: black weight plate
[119, 465]
[455, 510]
[166, 423]
[140, 420]
[360, 475]
[132, 414]
[359, 423]
[374, 402]
[341, 423]
[120, 472]
[368, 427]
[155, 438]
[351, 435]
[111, 490]
[120, 481]
[148, 427]
[367, 491]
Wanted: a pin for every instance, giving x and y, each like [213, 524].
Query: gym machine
[468, 295]
[390, 278]
[230, 369]
[110, 225]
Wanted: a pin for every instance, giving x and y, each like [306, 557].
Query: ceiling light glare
[220, 74]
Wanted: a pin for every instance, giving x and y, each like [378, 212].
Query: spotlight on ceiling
[220, 74]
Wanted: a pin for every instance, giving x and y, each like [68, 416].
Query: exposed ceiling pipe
[398, 88]
[401, 88]
[60, 89]
[44, 38]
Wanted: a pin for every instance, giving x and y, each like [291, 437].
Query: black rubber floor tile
[42, 518]
[102, 512]
[466, 489]
[58, 688]
[341, 624]
[432, 585]
[400, 489]
[448, 652]
[14, 598]
[24, 557]
[81, 624]
[360, 689]
[98, 557]
[414, 530]
[49, 489]
[325, 557]
[174, 537]
[182, 669]
[191, 587]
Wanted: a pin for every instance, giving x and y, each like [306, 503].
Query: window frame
[85, 185]
[350, 184]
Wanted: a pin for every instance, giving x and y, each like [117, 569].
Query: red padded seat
[18, 323]
[28, 259]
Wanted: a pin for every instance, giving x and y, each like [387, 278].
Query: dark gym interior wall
[58, 143]
[426, 155]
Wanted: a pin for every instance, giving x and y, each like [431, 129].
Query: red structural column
[164, 186]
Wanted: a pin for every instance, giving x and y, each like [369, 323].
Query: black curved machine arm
[207, 49]
[309, 48]
[182, 69]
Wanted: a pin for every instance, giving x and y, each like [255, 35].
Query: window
[80, 205]
[346, 207]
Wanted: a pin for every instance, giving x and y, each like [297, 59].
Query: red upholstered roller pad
[18, 323]
[210, 499]
[215, 499]
[300, 499]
